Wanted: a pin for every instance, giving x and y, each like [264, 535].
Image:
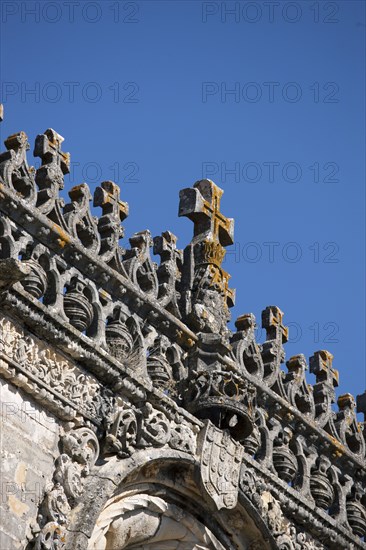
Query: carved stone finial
[245, 347]
[326, 380]
[321, 365]
[107, 196]
[245, 322]
[273, 352]
[350, 431]
[81, 224]
[169, 270]
[14, 169]
[50, 176]
[346, 401]
[272, 322]
[166, 245]
[48, 148]
[138, 264]
[201, 204]
[206, 294]
[298, 391]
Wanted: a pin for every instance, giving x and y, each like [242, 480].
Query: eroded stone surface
[130, 411]
[29, 438]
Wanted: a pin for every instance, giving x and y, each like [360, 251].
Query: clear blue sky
[141, 93]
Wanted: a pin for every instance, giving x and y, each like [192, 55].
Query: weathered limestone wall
[28, 445]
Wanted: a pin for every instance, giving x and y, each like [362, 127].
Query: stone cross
[48, 148]
[201, 204]
[272, 322]
[50, 175]
[321, 366]
[108, 197]
[166, 246]
[114, 212]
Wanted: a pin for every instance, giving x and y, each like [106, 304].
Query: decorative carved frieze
[129, 429]
[58, 379]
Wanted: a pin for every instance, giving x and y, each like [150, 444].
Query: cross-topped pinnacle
[48, 148]
[272, 322]
[297, 364]
[201, 204]
[212, 232]
[114, 212]
[165, 245]
[346, 401]
[108, 197]
[50, 176]
[321, 366]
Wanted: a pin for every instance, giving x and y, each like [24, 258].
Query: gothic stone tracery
[137, 365]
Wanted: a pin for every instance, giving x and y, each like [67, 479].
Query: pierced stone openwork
[133, 356]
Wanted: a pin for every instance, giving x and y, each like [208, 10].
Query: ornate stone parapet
[139, 356]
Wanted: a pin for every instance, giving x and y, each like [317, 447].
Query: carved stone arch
[152, 489]
[146, 522]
